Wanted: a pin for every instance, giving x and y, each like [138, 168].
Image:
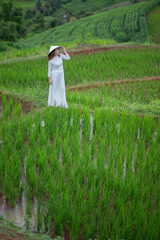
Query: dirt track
[84, 49]
[95, 48]
[122, 81]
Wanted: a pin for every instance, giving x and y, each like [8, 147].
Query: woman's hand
[50, 82]
[64, 50]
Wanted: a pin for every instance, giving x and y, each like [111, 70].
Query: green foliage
[11, 22]
[153, 24]
[8, 31]
[127, 24]
[29, 14]
[3, 47]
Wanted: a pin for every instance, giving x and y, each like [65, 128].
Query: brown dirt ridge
[122, 81]
[92, 49]
[26, 106]
[86, 49]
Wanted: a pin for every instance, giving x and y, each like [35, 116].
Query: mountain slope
[123, 25]
[154, 23]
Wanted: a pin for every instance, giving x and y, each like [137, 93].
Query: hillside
[153, 24]
[40, 15]
[127, 24]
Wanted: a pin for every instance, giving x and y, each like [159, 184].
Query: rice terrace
[92, 171]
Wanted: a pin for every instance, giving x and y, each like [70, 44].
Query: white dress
[57, 95]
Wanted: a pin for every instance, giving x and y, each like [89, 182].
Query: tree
[38, 4]
[134, 1]
[40, 20]
[11, 21]
[30, 14]
[8, 31]
[17, 15]
[7, 10]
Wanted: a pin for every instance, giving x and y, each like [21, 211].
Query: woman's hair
[51, 55]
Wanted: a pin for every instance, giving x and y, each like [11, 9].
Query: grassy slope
[96, 26]
[154, 24]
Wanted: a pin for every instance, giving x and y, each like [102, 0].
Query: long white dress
[57, 95]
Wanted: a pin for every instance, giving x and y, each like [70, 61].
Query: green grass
[23, 4]
[153, 24]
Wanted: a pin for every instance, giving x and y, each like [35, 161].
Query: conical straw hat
[52, 48]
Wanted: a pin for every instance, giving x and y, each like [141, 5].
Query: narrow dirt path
[95, 48]
[86, 49]
[122, 81]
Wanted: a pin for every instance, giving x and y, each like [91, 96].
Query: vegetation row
[95, 175]
[122, 24]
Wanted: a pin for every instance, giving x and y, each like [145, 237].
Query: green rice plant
[95, 187]
[10, 192]
[116, 62]
[31, 176]
[2, 167]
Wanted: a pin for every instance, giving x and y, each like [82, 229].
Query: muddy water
[18, 213]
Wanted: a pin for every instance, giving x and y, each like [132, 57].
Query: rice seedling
[92, 174]
[15, 74]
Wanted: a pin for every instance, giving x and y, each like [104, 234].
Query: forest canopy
[11, 22]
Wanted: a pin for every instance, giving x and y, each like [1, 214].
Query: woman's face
[56, 52]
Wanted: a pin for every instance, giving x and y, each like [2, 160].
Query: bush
[8, 31]
[121, 37]
[30, 14]
[53, 23]
[2, 47]
[11, 22]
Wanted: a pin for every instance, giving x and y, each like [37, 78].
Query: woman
[57, 95]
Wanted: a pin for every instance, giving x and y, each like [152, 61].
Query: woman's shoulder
[51, 60]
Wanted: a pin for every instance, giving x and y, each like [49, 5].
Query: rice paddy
[91, 171]
[85, 171]
[99, 67]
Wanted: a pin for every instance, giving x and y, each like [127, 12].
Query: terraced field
[93, 165]
[127, 24]
[90, 172]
